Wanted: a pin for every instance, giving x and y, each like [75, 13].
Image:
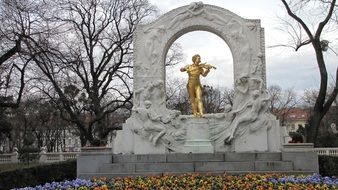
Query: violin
[207, 66]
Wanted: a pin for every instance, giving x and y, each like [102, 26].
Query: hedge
[38, 175]
[328, 165]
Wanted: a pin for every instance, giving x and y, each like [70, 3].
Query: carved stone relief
[161, 127]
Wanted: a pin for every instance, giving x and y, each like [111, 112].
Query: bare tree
[5, 127]
[16, 23]
[213, 102]
[228, 96]
[88, 61]
[305, 36]
[282, 102]
[41, 119]
[174, 55]
[327, 133]
[177, 95]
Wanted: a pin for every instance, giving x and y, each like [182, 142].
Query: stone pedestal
[302, 155]
[252, 142]
[90, 159]
[266, 138]
[14, 158]
[198, 136]
[298, 147]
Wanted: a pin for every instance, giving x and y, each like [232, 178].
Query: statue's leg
[231, 130]
[159, 135]
[234, 126]
[199, 100]
[192, 97]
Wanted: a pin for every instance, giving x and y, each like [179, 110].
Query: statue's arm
[154, 117]
[244, 106]
[205, 72]
[183, 69]
[239, 109]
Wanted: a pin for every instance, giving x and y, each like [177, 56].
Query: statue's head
[147, 103]
[227, 108]
[255, 93]
[242, 79]
[195, 57]
[196, 5]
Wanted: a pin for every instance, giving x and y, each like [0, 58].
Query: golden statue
[194, 85]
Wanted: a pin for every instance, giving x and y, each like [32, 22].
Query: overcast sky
[284, 66]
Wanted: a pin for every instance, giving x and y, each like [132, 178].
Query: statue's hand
[207, 66]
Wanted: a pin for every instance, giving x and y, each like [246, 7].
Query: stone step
[223, 166]
[135, 174]
[196, 157]
[244, 166]
[135, 158]
[273, 166]
[200, 166]
[147, 167]
[98, 163]
[261, 156]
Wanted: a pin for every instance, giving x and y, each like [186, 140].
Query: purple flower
[311, 179]
[61, 185]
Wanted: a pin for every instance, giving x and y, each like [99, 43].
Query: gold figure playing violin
[194, 85]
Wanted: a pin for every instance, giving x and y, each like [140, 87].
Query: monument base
[197, 136]
[302, 155]
[264, 139]
[256, 142]
[198, 146]
[112, 165]
[90, 160]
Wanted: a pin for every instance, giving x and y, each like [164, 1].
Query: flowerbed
[196, 181]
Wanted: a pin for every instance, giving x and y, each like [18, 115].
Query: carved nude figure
[249, 112]
[150, 129]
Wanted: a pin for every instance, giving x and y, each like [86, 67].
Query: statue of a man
[194, 85]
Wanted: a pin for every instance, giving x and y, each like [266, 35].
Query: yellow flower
[104, 187]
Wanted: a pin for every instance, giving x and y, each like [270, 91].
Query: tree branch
[327, 18]
[11, 52]
[332, 96]
[299, 20]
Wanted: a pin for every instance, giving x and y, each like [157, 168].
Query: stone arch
[185, 31]
[244, 37]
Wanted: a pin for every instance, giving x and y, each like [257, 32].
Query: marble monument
[247, 126]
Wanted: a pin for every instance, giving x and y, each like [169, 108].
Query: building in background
[296, 117]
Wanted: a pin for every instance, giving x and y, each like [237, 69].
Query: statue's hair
[195, 57]
[147, 103]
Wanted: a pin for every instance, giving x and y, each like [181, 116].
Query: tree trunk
[85, 135]
[312, 129]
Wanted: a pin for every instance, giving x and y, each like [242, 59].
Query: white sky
[284, 66]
